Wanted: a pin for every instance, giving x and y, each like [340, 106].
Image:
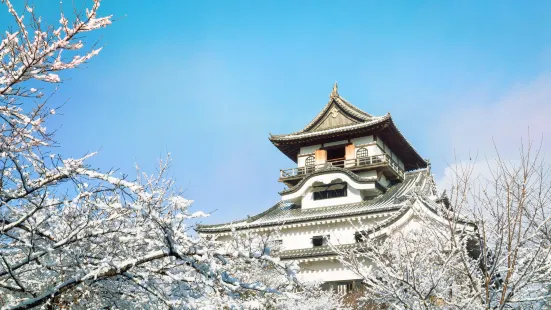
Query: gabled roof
[283, 212]
[341, 120]
[337, 106]
[337, 113]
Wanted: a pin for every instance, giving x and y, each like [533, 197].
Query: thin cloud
[472, 131]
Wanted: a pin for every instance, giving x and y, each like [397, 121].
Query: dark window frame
[333, 193]
[320, 240]
[359, 236]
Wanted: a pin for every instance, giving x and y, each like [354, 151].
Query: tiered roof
[283, 213]
[339, 120]
[327, 251]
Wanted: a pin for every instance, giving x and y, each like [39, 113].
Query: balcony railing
[352, 164]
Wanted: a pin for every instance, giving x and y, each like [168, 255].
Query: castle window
[362, 153]
[310, 164]
[344, 287]
[328, 191]
[362, 156]
[359, 237]
[320, 240]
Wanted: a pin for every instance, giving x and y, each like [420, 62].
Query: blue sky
[208, 81]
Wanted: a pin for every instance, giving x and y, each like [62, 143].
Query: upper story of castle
[349, 164]
[343, 137]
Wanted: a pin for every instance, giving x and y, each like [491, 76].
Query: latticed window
[310, 164]
[362, 153]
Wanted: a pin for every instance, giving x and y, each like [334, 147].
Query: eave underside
[385, 130]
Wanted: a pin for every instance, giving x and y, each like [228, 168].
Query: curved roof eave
[289, 144]
[372, 231]
[386, 202]
[327, 170]
[344, 105]
[302, 135]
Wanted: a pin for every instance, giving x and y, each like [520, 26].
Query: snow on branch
[72, 236]
[500, 258]
[35, 51]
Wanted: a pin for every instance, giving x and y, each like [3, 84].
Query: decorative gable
[334, 117]
[337, 113]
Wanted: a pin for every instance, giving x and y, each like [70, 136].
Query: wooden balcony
[383, 161]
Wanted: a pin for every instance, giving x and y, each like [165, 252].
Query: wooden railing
[346, 163]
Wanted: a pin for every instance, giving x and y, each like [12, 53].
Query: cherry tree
[491, 249]
[75, 237]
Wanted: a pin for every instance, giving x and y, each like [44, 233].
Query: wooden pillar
[350, 151]
[321, 157]
[350, 155]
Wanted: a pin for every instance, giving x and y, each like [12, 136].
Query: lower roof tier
[284, 212]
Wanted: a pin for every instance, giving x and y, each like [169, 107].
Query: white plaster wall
[309, 149]
[302, 160]
[306, 197]
[340, 233]
[379, 148]
[362, 140]
[374, 150]
[301, 237]
[343, 233]
[305, 152]
[369, 174]
[325, 271]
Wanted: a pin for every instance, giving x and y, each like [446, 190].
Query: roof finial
[335, 91]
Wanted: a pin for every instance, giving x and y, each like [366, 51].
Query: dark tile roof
[284, 213]
[359, 116]
[359, 124]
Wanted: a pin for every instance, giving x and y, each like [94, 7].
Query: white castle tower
[352, 167]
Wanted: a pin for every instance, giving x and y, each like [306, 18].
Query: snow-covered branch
[72, 236]
[499, 259]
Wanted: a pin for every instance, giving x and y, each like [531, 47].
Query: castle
[353, 169]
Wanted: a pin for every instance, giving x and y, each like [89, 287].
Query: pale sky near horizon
[208, 81]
